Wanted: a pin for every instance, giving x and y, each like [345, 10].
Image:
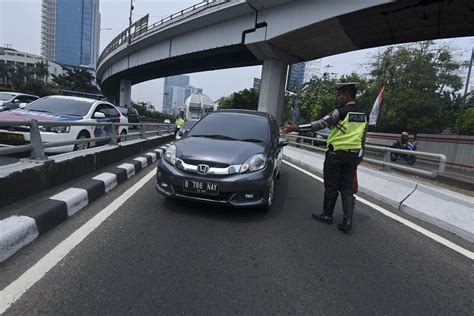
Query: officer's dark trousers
[339, 171]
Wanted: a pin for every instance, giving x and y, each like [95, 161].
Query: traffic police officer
[180, 120]
[345, 145]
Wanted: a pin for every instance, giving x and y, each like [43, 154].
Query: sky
[23, 34]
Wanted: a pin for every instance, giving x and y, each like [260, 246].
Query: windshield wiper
[215, 137]
[40, 111]
[251, 140]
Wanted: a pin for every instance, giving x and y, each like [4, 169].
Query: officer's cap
[340, 85]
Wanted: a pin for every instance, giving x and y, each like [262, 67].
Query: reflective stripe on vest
[347, 134]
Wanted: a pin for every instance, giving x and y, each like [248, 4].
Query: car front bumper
[234, 190]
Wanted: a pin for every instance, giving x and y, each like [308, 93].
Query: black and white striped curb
[18, 231]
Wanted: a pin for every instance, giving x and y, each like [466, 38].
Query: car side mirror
[99, 115]
[282, 141]
[185, 132]
[16, 101]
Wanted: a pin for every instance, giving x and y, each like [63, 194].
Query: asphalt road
[171, 257]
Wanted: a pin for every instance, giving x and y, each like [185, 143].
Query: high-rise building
[256, 83]
[70, 31]
[295, 76]
[169, 101]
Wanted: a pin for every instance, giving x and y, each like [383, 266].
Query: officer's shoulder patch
[357, 117]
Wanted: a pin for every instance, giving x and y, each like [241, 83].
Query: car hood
[23, 115]
[216, 150]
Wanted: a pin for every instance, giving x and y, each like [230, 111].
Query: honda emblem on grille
[203, 169]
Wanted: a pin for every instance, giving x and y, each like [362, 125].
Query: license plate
[11, 137]
[201, 187]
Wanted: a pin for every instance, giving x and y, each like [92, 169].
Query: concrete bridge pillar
[125, 95]
[272, 88]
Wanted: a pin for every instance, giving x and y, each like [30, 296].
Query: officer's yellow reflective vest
[179, 122]
[347, 134]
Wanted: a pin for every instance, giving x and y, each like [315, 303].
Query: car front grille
[209, 163]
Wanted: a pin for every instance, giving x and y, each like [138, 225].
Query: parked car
[64, 109]
[230, 157]
[130, 113]
[15, 100]
[185, 128]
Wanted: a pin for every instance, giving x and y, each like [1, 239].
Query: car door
[102, 131]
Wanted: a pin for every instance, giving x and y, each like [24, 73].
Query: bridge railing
[36, 146]
[141, 27]
[387, 151]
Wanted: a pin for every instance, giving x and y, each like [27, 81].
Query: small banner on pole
[374, 114]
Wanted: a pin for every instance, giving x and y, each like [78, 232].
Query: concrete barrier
[26, 178]
[446, 209]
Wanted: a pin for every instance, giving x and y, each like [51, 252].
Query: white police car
[63, 109]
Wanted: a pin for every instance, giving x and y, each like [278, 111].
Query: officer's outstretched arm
[327, 121]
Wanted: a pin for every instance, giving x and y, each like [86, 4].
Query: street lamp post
[130, 22]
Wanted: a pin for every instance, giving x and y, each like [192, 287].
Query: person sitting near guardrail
[345, 147]
[404, 139]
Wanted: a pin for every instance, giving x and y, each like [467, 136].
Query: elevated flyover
[225, 34]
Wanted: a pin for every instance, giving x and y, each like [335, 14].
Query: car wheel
[270, 195]
[122, 138]
[82, 146]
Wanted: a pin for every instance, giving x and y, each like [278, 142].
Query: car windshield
[189, 124]
[6, 96]
[61, 106]
[232, 126]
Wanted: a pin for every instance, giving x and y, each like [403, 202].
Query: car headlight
[253, 163]
[170, 154]
[55, 129]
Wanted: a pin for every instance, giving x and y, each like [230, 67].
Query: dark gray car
[230, 157]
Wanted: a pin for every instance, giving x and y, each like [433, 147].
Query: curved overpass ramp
[225, 34]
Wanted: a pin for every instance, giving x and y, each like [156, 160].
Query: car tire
[82, 146]
[121, 138]
[269, 197]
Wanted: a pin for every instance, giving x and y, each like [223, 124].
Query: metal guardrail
[37, 146]
[386, 163]
[141, 27]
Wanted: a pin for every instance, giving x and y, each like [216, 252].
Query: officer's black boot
[348, 204]
[328, 210]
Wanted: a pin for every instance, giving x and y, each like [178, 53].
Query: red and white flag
[374, 114]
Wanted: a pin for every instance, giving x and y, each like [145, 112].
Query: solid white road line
[75, 199]
[142, 160]
[10, 294]
[15, 233]
[109, 179]
[130, 169]
[399, 219]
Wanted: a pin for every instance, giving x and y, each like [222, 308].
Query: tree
[468, 122]
[421, 83]
[76, 79]
[318, 96]
[41, 70]
[245, 99]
